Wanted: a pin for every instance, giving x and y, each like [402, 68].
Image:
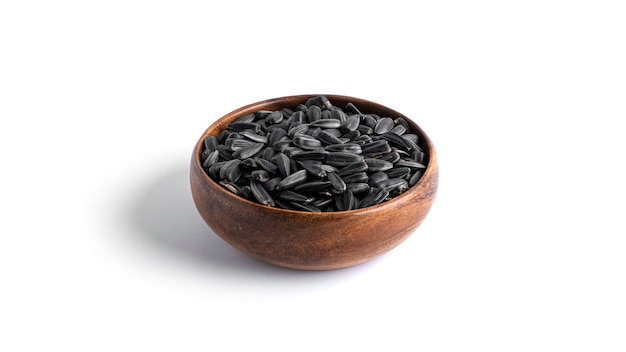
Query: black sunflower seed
[336, 182]
[313, 167]
[353, 168]
[248, 151]
[328, 138]
[253, 136]
[260, 175]
[283, 163]
[374, 165]
[342, 158]
[210, 143]
[345, 148]
[305, 141]
[261, 194]
[292, 180]
[376, 197]
[292, 196]
[384, 125]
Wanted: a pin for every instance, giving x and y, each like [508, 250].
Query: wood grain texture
[312, 241]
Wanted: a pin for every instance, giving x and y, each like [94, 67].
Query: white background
[102, 248]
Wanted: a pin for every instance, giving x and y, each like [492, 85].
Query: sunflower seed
[297, 129]
[283, 205]
[242, 126]
[210, 143]
[345, 148]
[231, 171]
[294, 197]
[298, 117]
[275, 135]
[249, 164]
[260, 175]
[292, 180]
[411, 137]
[384, 125]
[312, 187]
[398, 129]
[328, 138]
[215, 169]
[266, 165]
[251, 135]
[369, 120]
[313, 113]
[246, 118]
[281, 145]
[402, 122]
[248, 151]
[268, 153]
[237, 142]
[345, 201]
[393, 184]
[283, 163]
[410, 164]
[377, 196]
[336, 182]
[313, 167]
[352, 109]
[272, 183]
[415, 177]
[376, 147]
[338, 114]
[342, 158]
[310, 155]
[305, 141]
[377, 179]
[353, 168]
[357, 187]
[211, 159]
[274, 117]
[365, 129]
[374, 165]
[391, 157]
[321, 203]
[305, 207]
[395, 139]
[326, 123]
[398, 172]
[352, 123]
[261, 194]
[359, 177]
[233, 188]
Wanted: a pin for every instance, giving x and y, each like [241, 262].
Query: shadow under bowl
[306, 240]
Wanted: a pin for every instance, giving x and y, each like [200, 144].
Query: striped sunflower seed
[377, 196]
[342, 158]
[249, 151]
[283, 163]
[384, 125]
[374, 165]
[292, 180]
[336, 182]
[313, 167]
[305, 141]
[292, 196]
[261, 194]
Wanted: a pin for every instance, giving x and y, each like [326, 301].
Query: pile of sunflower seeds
[315, 157]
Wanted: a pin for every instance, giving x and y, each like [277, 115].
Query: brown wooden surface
[312, 241]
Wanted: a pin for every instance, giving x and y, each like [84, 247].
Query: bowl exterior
[312, 241]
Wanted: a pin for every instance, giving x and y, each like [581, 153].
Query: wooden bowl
[312, 241]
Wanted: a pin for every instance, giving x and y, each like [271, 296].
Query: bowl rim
[429, 172]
